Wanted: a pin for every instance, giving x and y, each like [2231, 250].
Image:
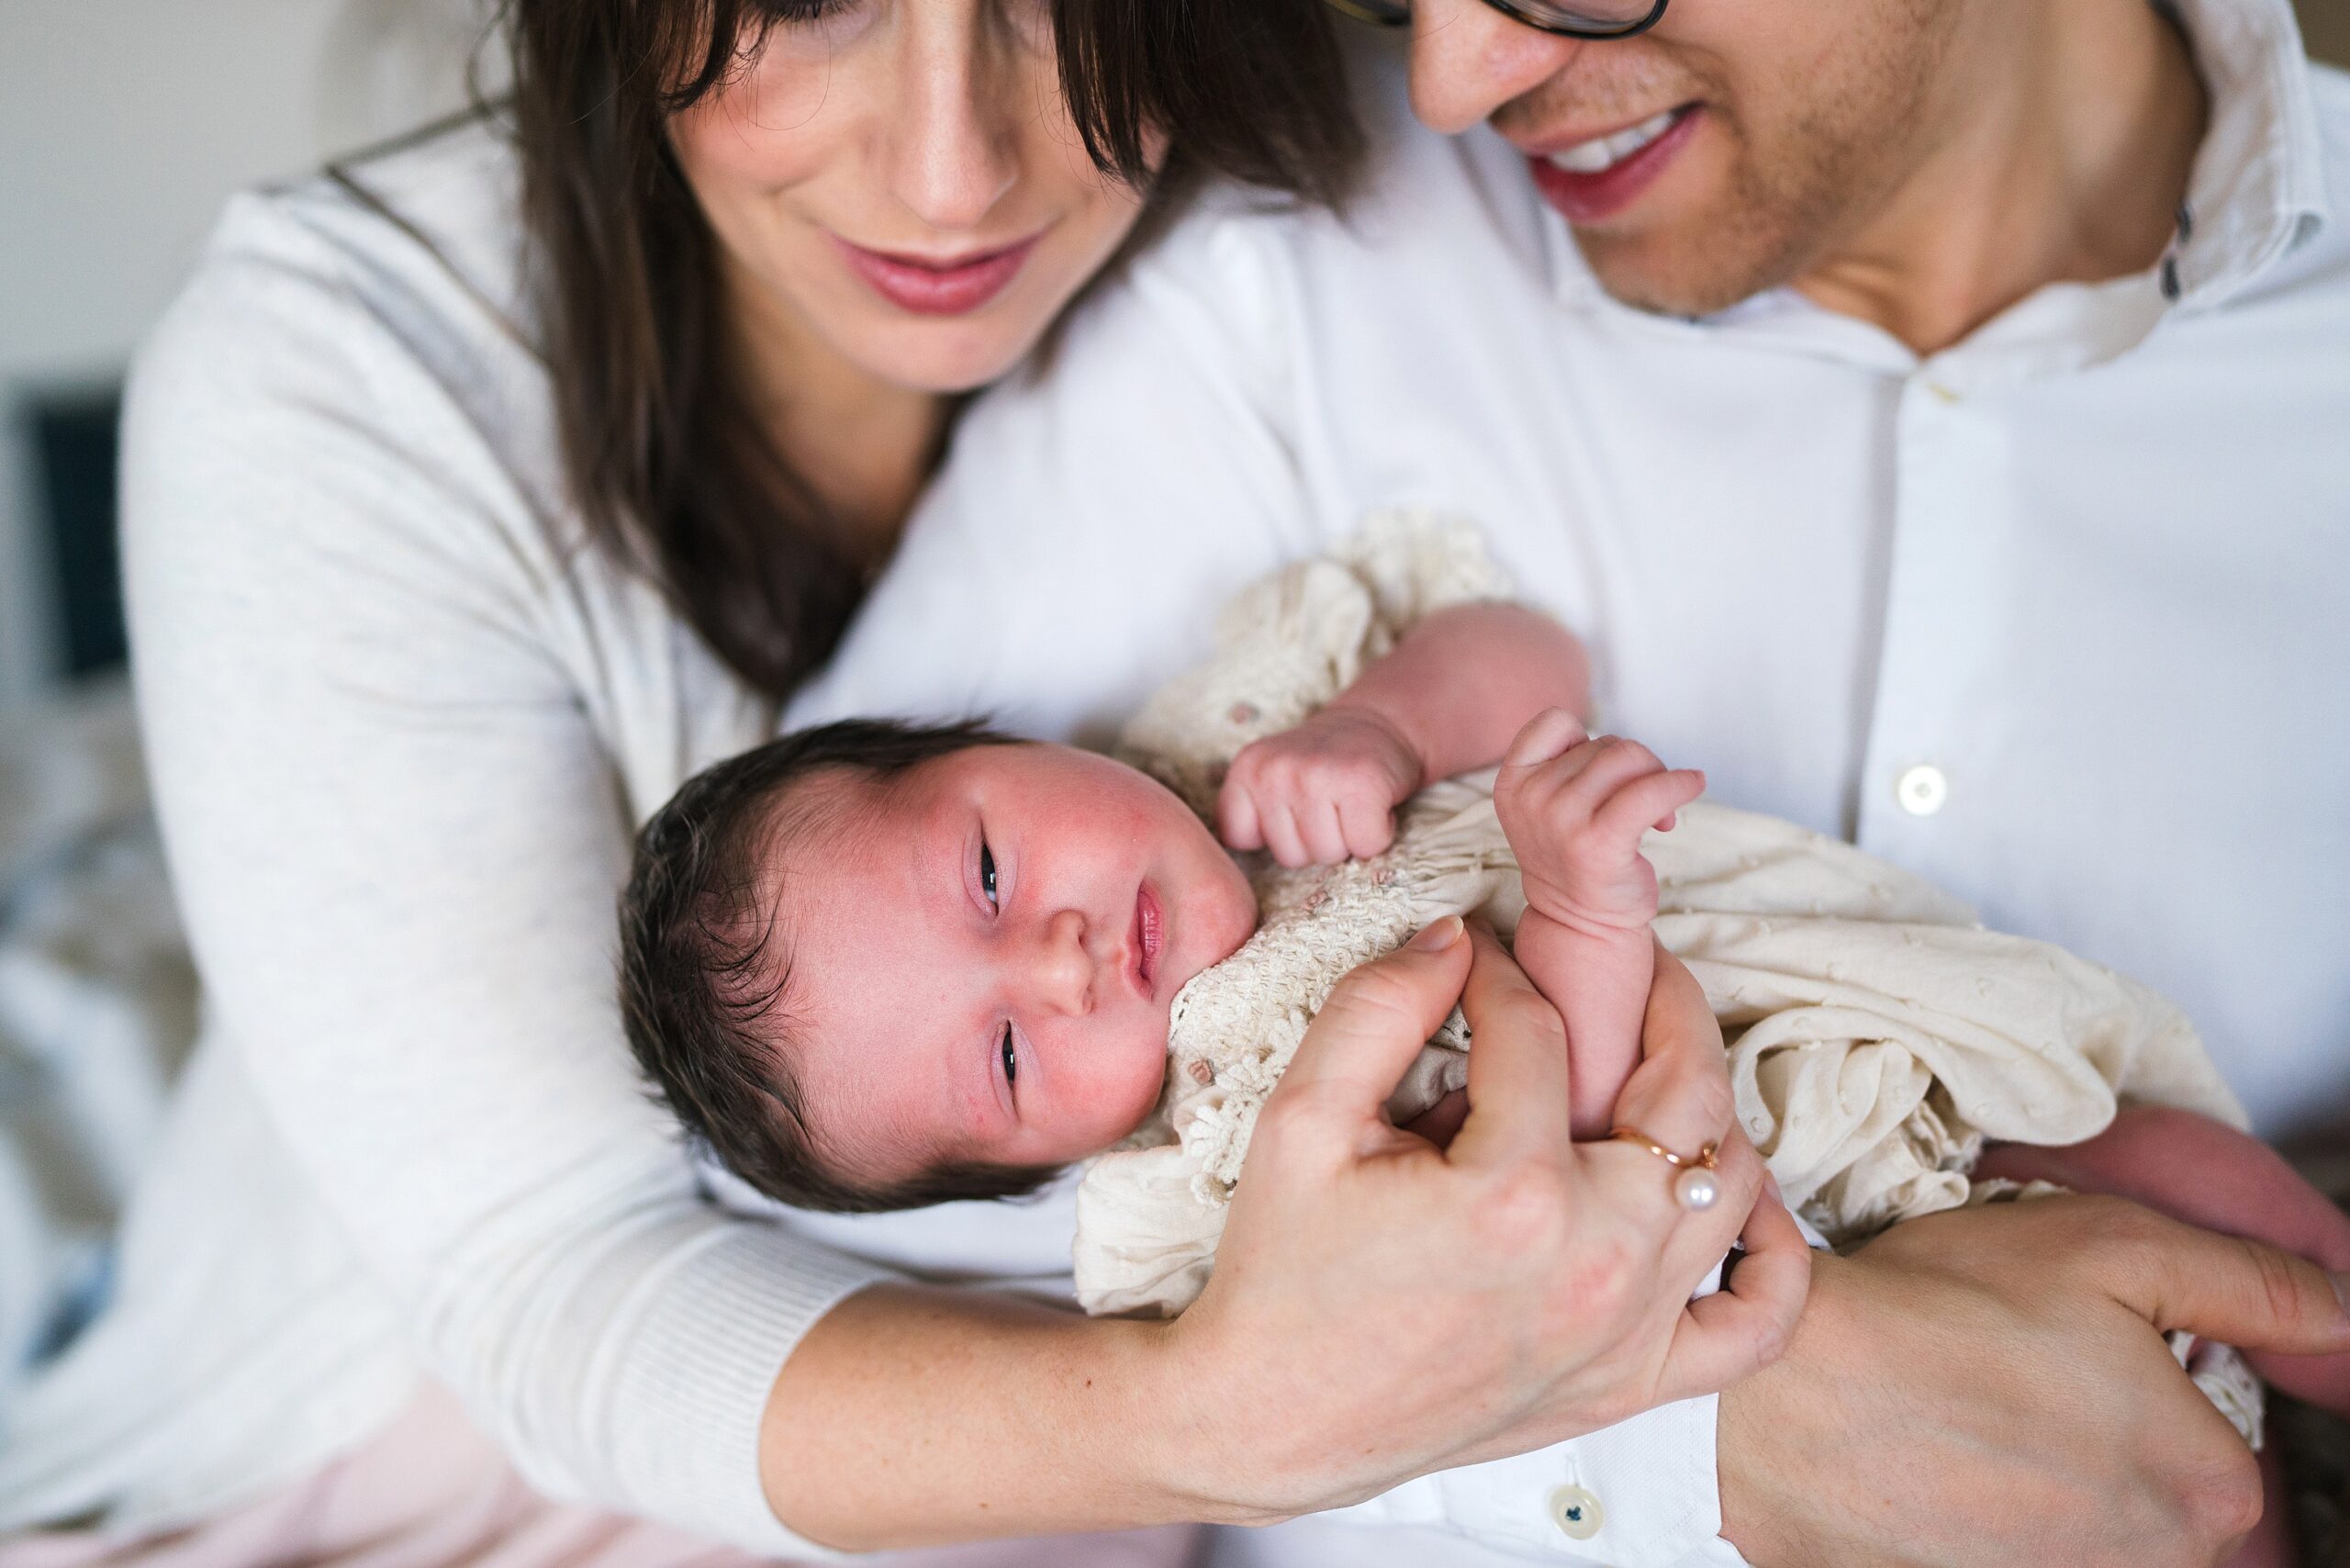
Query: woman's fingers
[1518, 1076]
[1680, 1093]
[1744, 1326]
[1376, 1021]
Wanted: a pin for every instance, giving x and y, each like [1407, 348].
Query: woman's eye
[1010, 1060]
[986, 873]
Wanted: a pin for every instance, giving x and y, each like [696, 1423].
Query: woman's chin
[946, 355]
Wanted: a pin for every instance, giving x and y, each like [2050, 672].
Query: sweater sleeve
[395, 836]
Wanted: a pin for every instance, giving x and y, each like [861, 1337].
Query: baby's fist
[1321, 792]
[1575, 808]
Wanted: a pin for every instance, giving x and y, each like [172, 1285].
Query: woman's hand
[1406, 1309]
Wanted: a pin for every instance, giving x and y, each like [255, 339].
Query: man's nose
[952, 148]
[1468, 60]
[1060, 972]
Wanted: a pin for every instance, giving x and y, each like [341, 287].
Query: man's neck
[2060, 152]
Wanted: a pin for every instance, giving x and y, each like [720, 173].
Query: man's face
[1726, 151]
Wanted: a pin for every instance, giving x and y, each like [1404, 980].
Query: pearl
[1696, 1189]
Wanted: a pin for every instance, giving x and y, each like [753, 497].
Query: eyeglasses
[1581, 19]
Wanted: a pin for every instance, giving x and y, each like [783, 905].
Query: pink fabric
[431, 1492]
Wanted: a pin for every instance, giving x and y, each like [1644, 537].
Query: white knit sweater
[401, 720]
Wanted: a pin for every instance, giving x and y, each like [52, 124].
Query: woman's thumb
[1376, 1021]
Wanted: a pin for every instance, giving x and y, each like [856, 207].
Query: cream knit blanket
[1877, 1034]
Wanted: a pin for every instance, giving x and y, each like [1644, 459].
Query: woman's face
[901, 179]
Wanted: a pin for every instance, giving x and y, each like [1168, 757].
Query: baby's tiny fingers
[1326, 839]
[1368, 823]
[1613, 763]
[1548, 734]
[1283, 838]
[1235, 810]
[1653, 798]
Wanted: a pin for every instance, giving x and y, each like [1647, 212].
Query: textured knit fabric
[1878, 1035]
[400, 721]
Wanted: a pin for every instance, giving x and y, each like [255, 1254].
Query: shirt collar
[2257, 191]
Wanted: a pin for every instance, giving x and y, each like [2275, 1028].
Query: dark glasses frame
[1535, 14]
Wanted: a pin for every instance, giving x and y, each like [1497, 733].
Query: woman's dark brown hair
[665, 458]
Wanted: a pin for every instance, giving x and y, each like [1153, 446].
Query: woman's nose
[1060, 972]
[954, 145]
[1468, 60]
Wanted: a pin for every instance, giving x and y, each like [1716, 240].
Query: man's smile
[1595, 176]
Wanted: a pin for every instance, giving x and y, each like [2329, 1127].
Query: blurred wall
[124, 124]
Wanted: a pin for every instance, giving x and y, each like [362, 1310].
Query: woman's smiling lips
[1595, 178]
[952, 286]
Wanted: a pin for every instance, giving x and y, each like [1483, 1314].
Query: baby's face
[983, 952]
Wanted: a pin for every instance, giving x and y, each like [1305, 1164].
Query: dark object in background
[72, 438]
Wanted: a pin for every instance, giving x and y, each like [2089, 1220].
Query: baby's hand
[1320, 792]
[1575, 808]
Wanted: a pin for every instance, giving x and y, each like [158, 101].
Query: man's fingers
[1743, 1327]
[2227, 1288]
[1519, 1077]
[1680, 1093]
[1376, 1021]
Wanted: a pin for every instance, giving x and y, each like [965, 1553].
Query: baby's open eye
[986, 873]
[1010, 1060]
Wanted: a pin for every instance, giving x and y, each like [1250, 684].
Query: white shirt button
[1922, 790]
[1575, 1511]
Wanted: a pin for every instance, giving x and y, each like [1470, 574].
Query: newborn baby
[875, 966]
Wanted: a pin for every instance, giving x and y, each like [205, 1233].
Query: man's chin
[1671, 276]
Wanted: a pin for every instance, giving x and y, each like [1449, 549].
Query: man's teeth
[1604, 153]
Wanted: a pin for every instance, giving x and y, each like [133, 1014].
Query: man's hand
[1991, 1387]
[1321, 792]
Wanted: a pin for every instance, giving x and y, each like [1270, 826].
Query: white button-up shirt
[2058, 617]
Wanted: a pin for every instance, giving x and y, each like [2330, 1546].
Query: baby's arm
[1574, 808]
[1445, 700]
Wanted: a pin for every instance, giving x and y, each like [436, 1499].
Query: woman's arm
[397, 820]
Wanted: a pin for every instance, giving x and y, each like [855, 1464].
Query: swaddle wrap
[1878, 1035]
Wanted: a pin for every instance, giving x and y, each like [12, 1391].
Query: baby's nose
[1062, 970]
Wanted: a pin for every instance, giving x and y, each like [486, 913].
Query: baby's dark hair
[703, 978]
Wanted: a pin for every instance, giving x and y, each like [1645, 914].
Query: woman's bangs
[695, 50]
